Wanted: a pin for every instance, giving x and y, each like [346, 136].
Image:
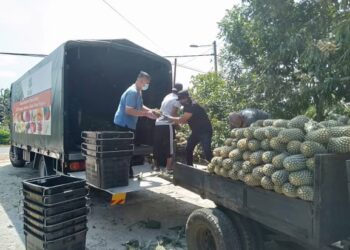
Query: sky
[168, 27]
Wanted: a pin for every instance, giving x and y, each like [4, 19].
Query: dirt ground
[109, 226]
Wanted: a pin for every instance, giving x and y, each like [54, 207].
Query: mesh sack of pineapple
[278, 154]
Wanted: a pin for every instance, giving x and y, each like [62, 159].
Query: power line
[190, 68]
[22, 54]
[190, 55]
[43, 55]
[133, 25]
[194, 58]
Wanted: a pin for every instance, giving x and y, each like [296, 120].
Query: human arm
[134, 112]
[145, 108]
[182, 119]
[132, 105]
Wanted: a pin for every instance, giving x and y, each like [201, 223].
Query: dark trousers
[205, 140]
[126, 129]
[163, 144]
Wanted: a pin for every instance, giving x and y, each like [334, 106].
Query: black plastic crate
[49, 211]
[108, 142]
[107, 135]
[75, 241]
[110, 154]
[53, 184]
[54, 219]
[51, 228]
[109, 172]
[104, 148]
[54, 235]
[55, 199]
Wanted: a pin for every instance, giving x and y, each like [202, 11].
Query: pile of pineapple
[278, 154]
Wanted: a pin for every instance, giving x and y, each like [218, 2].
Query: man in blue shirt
[131, 107]
[131, 104]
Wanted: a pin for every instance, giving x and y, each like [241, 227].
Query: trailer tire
[16, 158]
[249, 240]
[44, 167]
[211, 229]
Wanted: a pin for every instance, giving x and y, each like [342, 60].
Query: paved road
[4, 149]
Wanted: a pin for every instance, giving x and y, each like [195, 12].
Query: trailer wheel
[211, 229]
[45, 167]
[249, 238]
[15, 156]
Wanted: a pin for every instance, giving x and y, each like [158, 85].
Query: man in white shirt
[164, 130]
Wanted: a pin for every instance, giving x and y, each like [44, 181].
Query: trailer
[77, 88]
[246, 215]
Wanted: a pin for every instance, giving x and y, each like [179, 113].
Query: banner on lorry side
[31, 109]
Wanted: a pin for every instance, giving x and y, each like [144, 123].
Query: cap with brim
[182, 94]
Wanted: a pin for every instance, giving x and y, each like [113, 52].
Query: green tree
[4, 108]
[219, 99]
[288, 55]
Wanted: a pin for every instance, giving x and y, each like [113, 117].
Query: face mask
[145, 87]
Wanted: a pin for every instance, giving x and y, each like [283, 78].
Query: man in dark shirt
[246, 117]
[199, 123]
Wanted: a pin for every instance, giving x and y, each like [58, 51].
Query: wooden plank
[287, 215]
[332, 208]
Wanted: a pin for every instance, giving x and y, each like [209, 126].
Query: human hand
[157, 112]
[149, 114]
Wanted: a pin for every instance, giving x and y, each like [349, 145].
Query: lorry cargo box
[77, 88]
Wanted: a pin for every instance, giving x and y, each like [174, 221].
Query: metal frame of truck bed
[315, 224]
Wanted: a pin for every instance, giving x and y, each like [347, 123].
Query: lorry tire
[211, 229]
[249, 239]
[15, 156]
[45, 166]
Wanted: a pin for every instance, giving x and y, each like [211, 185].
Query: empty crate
[55, 213]
[108, 157]
[109, 172]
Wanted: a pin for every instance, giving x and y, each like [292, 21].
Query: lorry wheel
[211, 229]
[45, 167]
[247, 234]
[15, 156]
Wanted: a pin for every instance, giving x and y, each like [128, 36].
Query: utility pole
[175, 66]
[213, 54]
[215, 57]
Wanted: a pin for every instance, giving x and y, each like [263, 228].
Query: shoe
[169, 171]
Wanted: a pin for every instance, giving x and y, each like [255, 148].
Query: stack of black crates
[108, 157]
[55, 213]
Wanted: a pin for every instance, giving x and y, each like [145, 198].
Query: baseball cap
[182, 94]
[177, 87]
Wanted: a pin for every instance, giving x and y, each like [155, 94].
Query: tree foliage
[4, 107]
[219, 99]
[286, 56]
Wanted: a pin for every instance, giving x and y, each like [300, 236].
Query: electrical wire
[189, 55]
[188, 67]
[22, 54]
[133, 25]
[195, 58]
